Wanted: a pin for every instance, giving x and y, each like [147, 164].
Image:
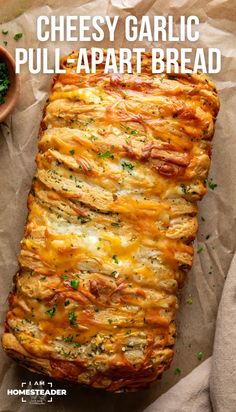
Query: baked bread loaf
[121, 165]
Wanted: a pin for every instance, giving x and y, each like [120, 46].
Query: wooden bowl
[14, 88]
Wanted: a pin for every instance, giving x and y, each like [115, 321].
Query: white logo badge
[36, 392]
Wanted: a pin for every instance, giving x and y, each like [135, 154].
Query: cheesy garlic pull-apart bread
[112, 215]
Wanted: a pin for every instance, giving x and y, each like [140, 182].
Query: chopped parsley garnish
[127, 165]
[94, 137]
[67, 302]
[18, 36]
[199, 249]
[133, 132]
[185, 188]
[210, 184]
[72, 152]
[64, 353]
[72, 318]
[83, 220]
[69, 338]
[189, 301]
[115, 224]
[106, 154]
[4, 81]
[172, 77]
[177, 371]
[51, 312]
[200, 355]
[4, 31]
[74, 283]
[65, 277]
[110, 321]
[115, 258]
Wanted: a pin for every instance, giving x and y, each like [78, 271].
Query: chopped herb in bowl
[9, 84]
[4, 81]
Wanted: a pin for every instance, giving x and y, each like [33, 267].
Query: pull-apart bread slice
[122, 162]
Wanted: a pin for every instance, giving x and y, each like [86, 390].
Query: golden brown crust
[112, 215]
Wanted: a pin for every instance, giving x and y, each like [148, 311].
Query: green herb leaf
[189, 301]
[185, 188]
[74, 283]
[69, 338]
[110, 321]
[64, 353]
[67, 302]
[127, 165]
[177, 371]
[133, 132]
[72, 152]
[210, 184]
[72, 318]
[199, 249]
[115, 258]
[170, 77]
[200, 355]
[51, 312]
[18, 36]
[83, 220]
[106, 154]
